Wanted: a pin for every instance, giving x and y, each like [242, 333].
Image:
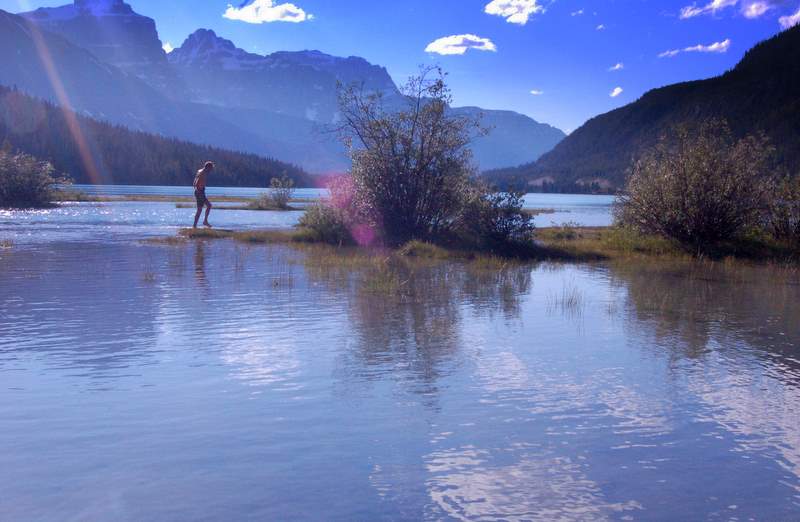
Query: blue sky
[561, 49]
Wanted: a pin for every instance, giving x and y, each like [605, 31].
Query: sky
[558, 61]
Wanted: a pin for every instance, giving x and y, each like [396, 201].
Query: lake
[581, 209]
[213, 380]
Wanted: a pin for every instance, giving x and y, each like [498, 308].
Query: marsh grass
[558, 244]
[599, 243]
[569, 301]
[247, 236]
[385, 280]
[74, 196]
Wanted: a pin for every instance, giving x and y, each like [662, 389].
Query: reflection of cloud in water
[762, 412]
[258, 362]
[564, 396]
[635, 413]
[464, 484]
[502, 371]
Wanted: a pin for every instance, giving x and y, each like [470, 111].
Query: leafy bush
[783, 215]
[412, 176]
[698, 186]
[25, 182]
[327, 224]
[411, 165]
[495, 217]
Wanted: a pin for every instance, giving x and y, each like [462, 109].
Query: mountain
[301, 84]
[513, 138]
[49, 66]
[109, 29]
[112, 67]
[762, 93]
[115, 34]
[304, 85]
[122, 156]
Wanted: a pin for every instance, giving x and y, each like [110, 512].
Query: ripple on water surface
[214, 380]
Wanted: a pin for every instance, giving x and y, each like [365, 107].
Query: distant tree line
[112, 154]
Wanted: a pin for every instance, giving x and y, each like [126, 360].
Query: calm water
[220, 381]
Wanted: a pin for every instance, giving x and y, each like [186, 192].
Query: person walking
[200, 182]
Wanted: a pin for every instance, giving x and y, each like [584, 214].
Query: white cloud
[754, 10]
[616, 92]
[617, 67]
[459, 44]
[790, 20]
[710, 8]
[537, 92]
[601, 27]
[265, 11]
[514, 11]
[167, 47]
[576, 13]
[716, 47]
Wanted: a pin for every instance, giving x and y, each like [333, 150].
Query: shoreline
[564, 243]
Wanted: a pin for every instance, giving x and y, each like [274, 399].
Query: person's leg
[197, 215]
[208, 211]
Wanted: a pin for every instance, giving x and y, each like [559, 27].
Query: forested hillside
[761, 94]
[115, 154]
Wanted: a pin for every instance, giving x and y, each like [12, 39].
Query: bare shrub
[783, 216]
[281, 192]
[698, 186]
[26, 182]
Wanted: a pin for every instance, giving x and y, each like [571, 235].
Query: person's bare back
[200, 181]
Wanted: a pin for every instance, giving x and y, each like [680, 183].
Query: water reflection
[54, 312]
[468, 484]
[696, 308]
[267, 382]
[742, 323]
[406, 316]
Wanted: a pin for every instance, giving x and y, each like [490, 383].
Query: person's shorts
[200, 196]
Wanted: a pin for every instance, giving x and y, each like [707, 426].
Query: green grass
[566, 243]
[67, 195]
[620, 243]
